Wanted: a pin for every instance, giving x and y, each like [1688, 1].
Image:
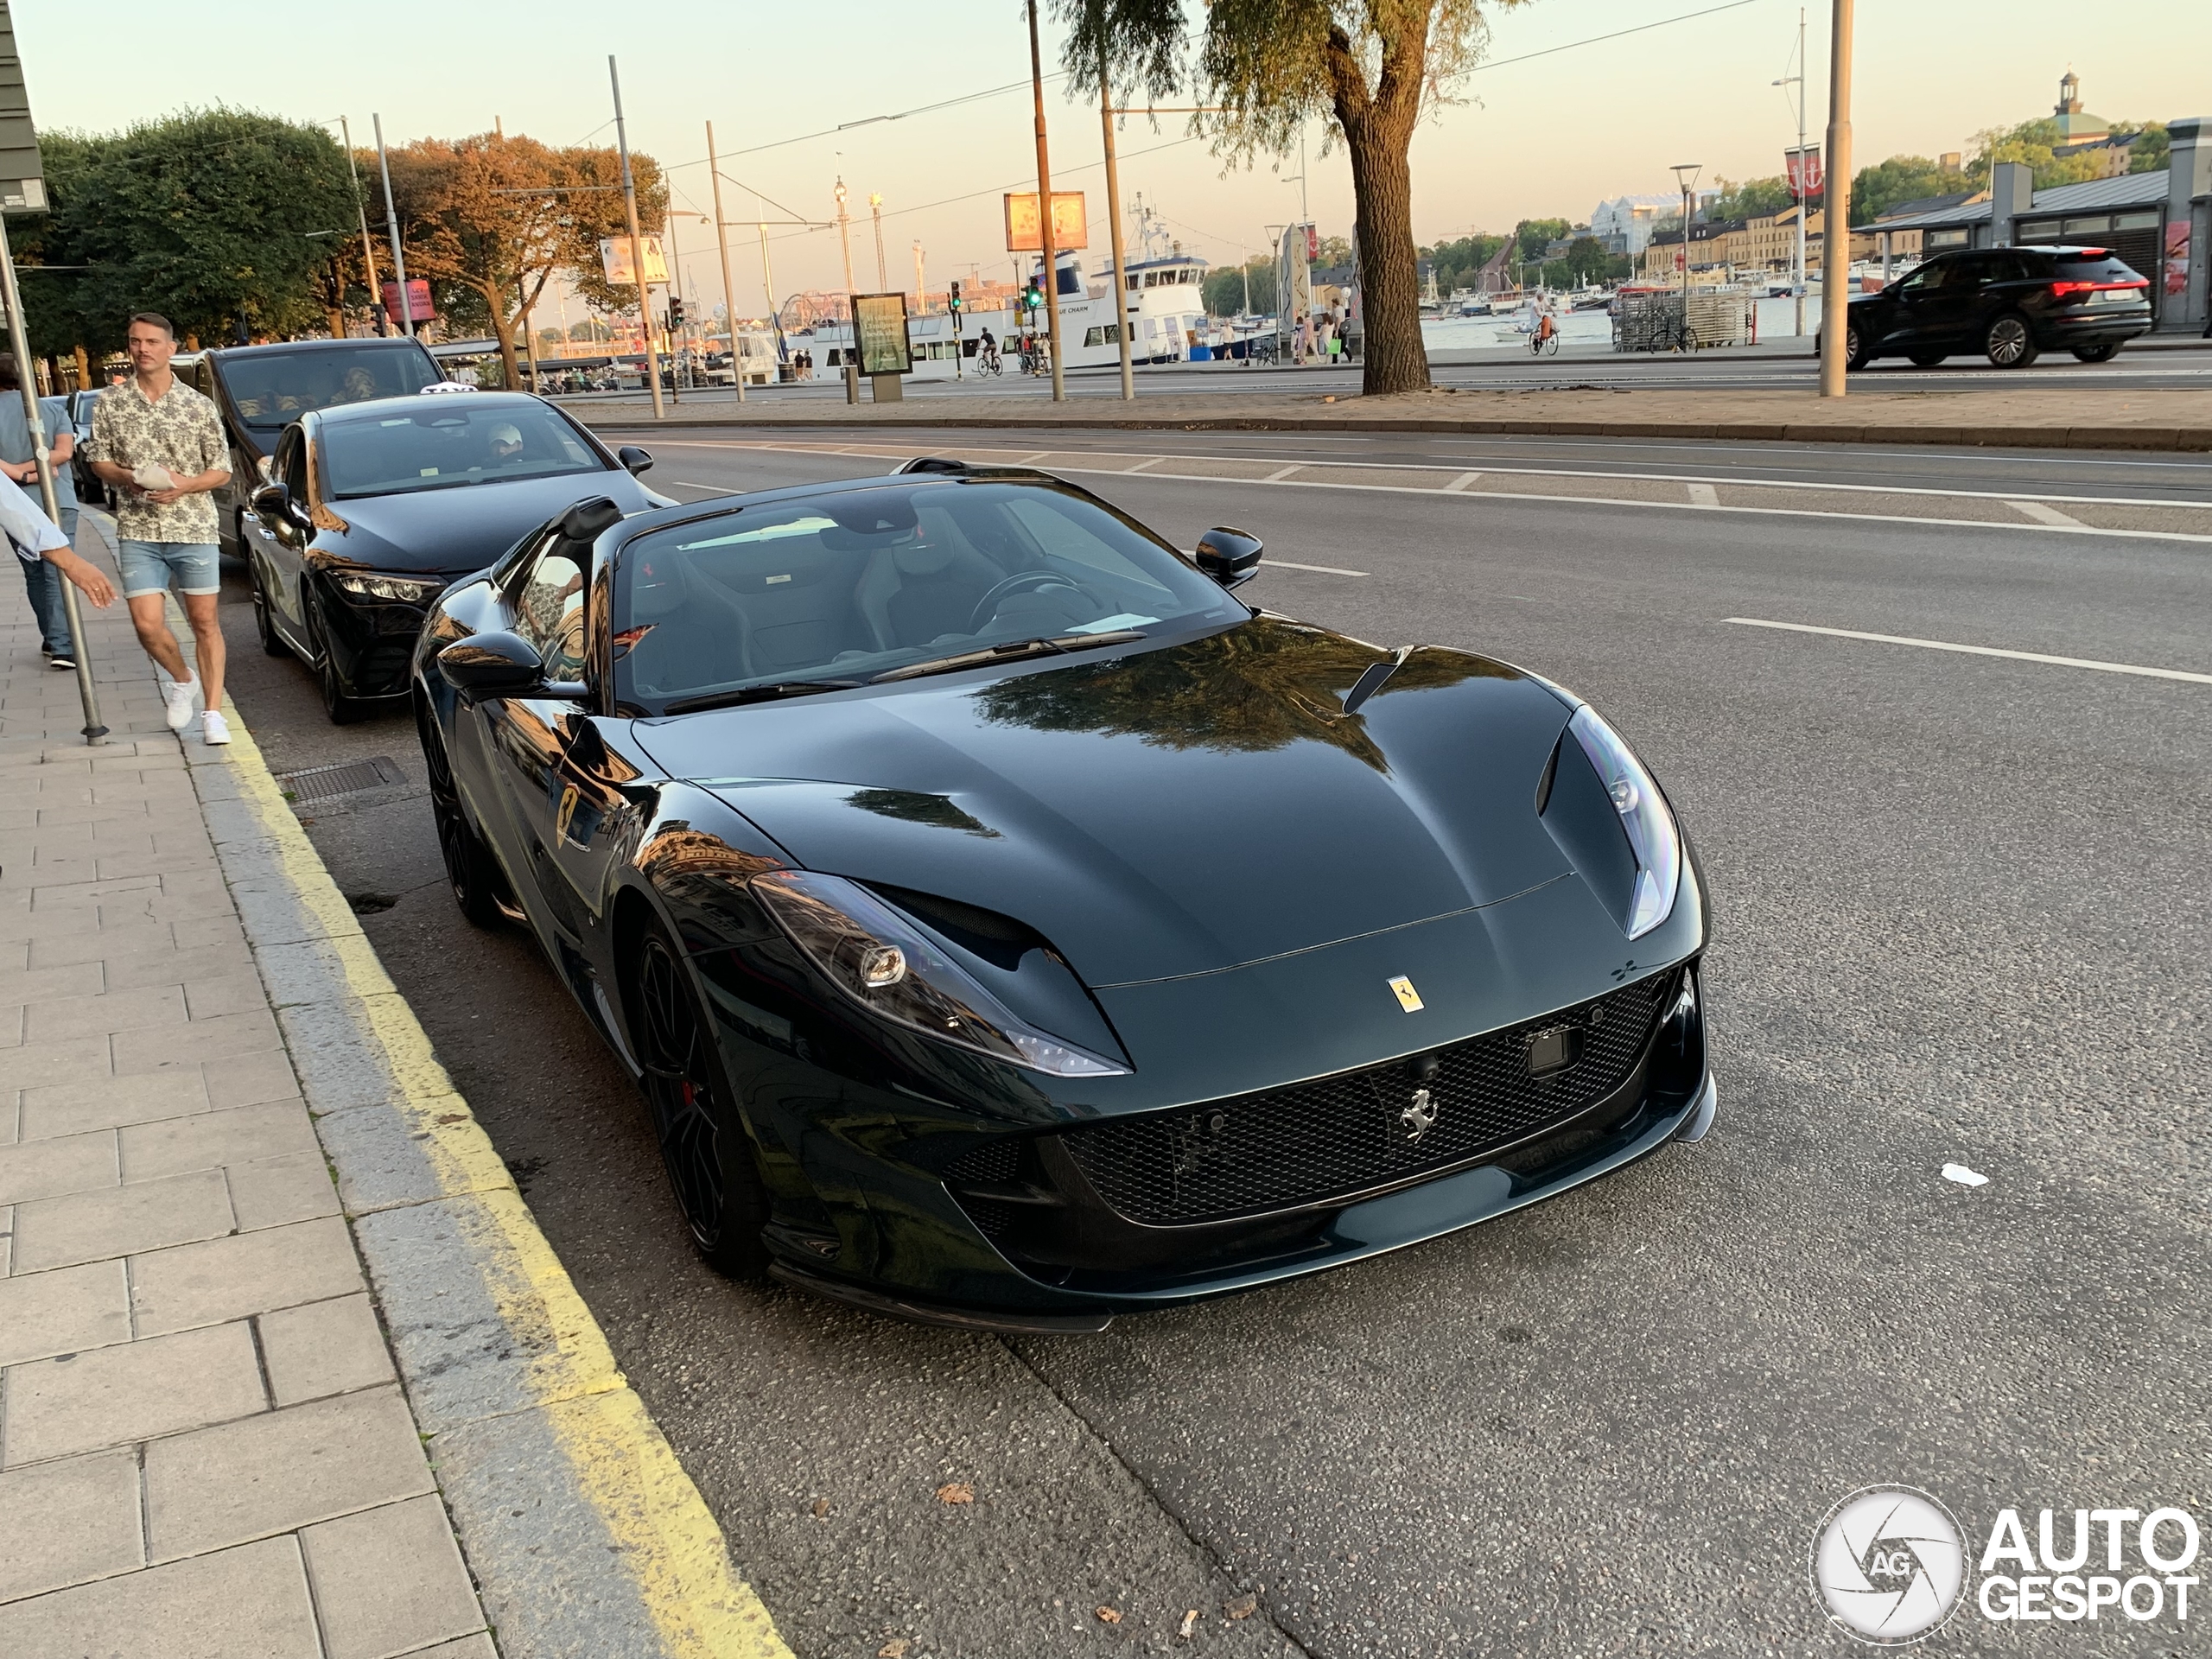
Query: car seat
[696, 638]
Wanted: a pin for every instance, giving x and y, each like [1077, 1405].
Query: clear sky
[1548, 136]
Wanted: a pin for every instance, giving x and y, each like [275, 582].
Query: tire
[343, 708]
[264, 624]
[1927, 359]
[703, 1146]
[471, 872]
[2009, 342]
[2103, 353]
[1857, 354]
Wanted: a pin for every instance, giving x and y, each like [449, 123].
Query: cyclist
[1546, 328]
[987, 354]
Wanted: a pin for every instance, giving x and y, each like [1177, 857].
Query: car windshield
[269, 388]
[849, 586]
[443, 441]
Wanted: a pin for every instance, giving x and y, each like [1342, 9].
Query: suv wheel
[2103, 353]
[2010, 343]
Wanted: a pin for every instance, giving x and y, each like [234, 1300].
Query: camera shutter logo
[1888, 1565]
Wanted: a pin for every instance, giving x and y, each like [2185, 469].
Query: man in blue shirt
[18, 463]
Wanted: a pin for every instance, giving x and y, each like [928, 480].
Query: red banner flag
[1806, 178]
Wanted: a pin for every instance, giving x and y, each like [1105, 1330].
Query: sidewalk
[285, 1367]
[2043, 417]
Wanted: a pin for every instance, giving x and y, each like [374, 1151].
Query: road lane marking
[1979, 651]
[1704, 495]
[1280, 473]
[1460, 483]
[1142, 466]
[1325, 569]
[2049, 515]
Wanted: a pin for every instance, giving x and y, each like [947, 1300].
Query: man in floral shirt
[162, 446]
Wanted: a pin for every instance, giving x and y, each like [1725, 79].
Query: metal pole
[19, 343]
[1114, 218]
[722, 246]
[637, 245]
[1835, 211]
[1799, 286]
[391, 224]
[1045, 217]
[677, 354]
[368, 247]
[882, 272]
[845, 234]
[921, 285]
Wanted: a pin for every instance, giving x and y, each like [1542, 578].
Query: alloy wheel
[681, 1091]
[2008, 341]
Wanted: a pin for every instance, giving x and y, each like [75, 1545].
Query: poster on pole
[418, 301]
[880, 333]
[1071, 222]
[2177, 254]
[1806, 178]
[614, 260]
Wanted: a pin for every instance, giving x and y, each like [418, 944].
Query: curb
[586, 1537]
[2184, 438]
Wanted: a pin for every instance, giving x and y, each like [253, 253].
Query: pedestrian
[160, 444]
[38, 540]
[41, 580]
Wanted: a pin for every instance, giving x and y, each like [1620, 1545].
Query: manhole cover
[327, 782]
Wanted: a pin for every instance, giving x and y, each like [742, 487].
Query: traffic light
[675, 312]
[956, 296]
[1033, 297]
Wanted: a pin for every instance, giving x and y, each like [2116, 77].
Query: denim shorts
[147, 567]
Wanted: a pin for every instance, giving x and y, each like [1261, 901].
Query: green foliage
[1586, 261]
[2149, 153]
[2032, 143]
[203, 216]
[1879, 188]
[1535, 235]
[1458, 262]
[1753, 199]
[1224, 292]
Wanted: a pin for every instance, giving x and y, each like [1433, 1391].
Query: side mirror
[1231, 557]
[493, 666]
[274, 501]
[634, 459]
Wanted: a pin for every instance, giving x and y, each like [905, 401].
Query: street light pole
[1836, 208]
[391, 224]
[845, 235]
[1114, 218]
[722, 246]
[1797, 182]
[882, 272]
[1689, 184]
[361, 209]
[26, 383]
[637, 247]
[1044, 218]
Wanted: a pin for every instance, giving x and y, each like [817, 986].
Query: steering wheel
[986, 607]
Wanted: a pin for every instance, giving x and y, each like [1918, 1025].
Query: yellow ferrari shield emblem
[1408, 998]
[567, 813]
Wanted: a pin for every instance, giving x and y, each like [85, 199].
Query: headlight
[890, 968]
[411, 590]
[1652, 833]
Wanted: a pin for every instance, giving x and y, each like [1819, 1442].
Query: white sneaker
[179, 701]
[214, 728]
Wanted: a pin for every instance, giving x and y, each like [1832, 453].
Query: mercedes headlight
[1652, 835]
[410, 590]
[890, 967]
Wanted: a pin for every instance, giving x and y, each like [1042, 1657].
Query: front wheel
[470, 871]
[2103, 353]
[703, 1142]
[343, 708]
[264, 624]
[2010, 343]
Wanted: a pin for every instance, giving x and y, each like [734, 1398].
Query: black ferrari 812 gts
[1006, 925]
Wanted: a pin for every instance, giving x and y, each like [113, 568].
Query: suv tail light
[2067, 290]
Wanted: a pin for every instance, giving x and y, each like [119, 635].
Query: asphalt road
[1962, 918]
[2186, 367]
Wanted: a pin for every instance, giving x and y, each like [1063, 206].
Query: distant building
[1625, 224]
[2088, 136]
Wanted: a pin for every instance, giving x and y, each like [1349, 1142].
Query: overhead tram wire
[875, 120]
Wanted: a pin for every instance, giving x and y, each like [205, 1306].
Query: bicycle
[1544, 345]
[986, 361]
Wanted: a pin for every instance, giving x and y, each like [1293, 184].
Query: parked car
[260, 389]
[372, 508]
[2010, 304]
[1008, 927]
[90, 488]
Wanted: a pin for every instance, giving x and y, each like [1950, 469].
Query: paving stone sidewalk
[204, 1450]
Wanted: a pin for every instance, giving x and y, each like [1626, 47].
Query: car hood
[452, 532]
[1167, 812]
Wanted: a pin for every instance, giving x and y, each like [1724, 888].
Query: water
[1776, 319]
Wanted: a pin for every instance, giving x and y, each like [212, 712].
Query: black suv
[2010, 304]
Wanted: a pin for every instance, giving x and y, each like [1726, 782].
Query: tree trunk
[335, 315]
[1395, 359]
[510, 369]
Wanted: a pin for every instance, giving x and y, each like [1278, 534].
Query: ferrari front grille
[1338, 1137]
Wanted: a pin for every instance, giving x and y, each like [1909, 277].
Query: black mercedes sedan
[372, 507]
[1009, 926]
[2011, 305]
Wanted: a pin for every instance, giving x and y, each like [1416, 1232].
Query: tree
[1224, 289]
[489, 220]
[1367, 69]
[1753, 199]
[217, 218]
[2150, 152]
[1879, 188]
[1535, 235]
[1457, 263]
[2032, 143]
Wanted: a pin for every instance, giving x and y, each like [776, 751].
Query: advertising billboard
[614, 260]
[880, 333]
[1071, 222]
[418, 301]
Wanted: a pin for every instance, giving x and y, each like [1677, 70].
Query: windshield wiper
[755, 694]
[1012, 651]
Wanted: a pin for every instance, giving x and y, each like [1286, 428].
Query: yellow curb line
[666, 1540]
